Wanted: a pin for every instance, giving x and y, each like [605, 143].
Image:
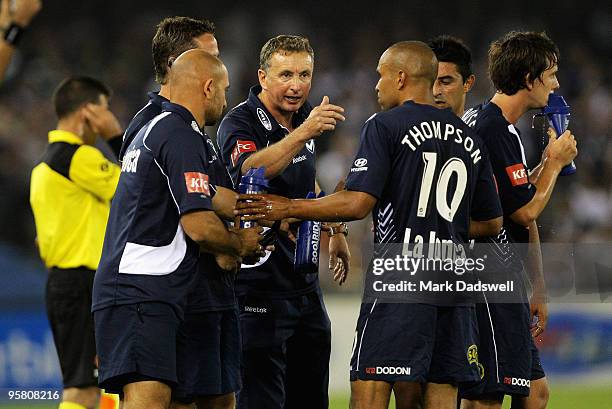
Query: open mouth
[439, 102]
[293, 99]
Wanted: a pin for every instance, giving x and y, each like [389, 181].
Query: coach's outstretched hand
[257, 207]
[322, 118]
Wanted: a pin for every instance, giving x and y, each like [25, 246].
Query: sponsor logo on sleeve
[197, 183]
[263, 118]
[242, 147]
[517, 174]
[360, 165]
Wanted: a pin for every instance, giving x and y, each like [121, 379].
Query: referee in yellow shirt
[70, 195]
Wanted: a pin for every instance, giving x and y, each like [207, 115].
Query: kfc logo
[241, 147]
[517, 174]
[197, 183]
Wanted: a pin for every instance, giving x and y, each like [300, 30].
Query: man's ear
[469, 83]
[261, 74]
[528, 82]
[209, 89]
[401, 79]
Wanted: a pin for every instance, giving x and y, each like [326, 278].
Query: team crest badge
[263, 118]
[310, 145]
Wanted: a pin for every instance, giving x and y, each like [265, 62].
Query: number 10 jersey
[429, 171]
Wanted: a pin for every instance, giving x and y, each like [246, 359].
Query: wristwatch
[338, 228]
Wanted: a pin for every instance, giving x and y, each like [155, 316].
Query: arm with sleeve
[376, 148]
[92, 171]
[184, 160]
[237, 142]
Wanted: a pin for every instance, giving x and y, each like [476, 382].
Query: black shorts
[507, 352]
[68, 302]
[416, 343]
[286, 347]
[136, 342]
[208, 355]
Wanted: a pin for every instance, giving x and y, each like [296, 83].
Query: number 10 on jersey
[452, 166]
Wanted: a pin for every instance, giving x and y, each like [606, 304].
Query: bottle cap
[254, 176]
[556, 105]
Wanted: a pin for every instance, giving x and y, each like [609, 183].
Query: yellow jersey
[70, 193]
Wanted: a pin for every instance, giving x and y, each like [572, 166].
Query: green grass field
[574, 397]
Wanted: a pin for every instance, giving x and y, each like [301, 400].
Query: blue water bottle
[253, 182]
[558, 112]
[308, 245]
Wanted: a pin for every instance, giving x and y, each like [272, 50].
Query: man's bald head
[414, 58]
[407, 70]
[198, 81]
[195, 65]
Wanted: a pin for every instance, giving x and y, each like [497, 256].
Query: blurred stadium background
[111, 39]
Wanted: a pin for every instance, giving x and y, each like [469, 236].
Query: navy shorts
[136, 342]
[208, 355]
[415, 343]
[507, 352]
[286, 347]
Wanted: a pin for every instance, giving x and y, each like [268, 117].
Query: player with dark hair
[286, 334]
[209, 341]
[174, 36]
[162, 217]
[455, 76]
[422, 343]
[70, 193]
[523, 68]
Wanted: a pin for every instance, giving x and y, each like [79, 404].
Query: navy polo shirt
[508, 161]
[249, 128]
[165, 174]
[142, 117]
[429, 172]
[213, 289]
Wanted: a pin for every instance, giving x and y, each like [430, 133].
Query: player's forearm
[341, 206]
[485, 228]
[277, 156]
[534, 175]
[221, 241]
[544, 188]
[534, 260]
[224, 203]
[206, 229]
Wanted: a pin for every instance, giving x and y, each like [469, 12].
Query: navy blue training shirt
[508, 161]
[429, 172]
[142, 117]
[213, 289]
[165, 174]
[249, 128]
